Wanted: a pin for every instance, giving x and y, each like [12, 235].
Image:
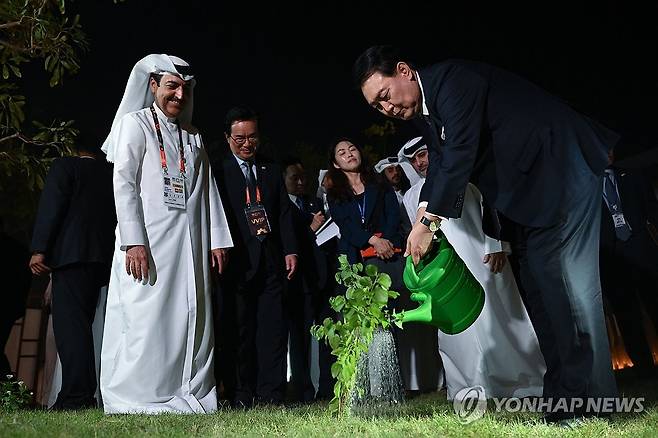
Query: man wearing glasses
[252, 333]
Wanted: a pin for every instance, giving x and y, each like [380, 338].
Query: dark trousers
[559, 269]
[75, 295]
[252, 336]
[630, 283]
[299, 305]
[323, 310]
[305, 307]
[6, 324]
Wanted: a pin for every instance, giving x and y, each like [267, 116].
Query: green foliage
[362, 310]
[379, 141]
[32, 31]
[14, 395]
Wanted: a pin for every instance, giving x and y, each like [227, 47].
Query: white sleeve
[492, 245]
[220, 235]
[129, 149]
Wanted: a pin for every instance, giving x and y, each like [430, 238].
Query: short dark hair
[156, 77]
[377, 59]
[290, 160]
[87, 142]
[239, 113]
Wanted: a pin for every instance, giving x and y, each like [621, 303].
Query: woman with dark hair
[365, 209]
[368, 216]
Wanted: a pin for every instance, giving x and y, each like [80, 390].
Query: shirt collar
[240, 161]
[162, 115]
[293, 198]
[426, 111]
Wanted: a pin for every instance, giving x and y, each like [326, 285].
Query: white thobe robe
[500, 351]
[158, 343]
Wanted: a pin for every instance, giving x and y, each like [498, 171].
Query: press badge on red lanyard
[173, 186]
[259, 225]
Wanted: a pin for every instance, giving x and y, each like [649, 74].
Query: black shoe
[223, 404]
[269, 401]
[570, 423]
[324, 396]
[77, 406]
[563, 419]
[242, 404]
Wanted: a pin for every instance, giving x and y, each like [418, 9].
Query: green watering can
[450, 297]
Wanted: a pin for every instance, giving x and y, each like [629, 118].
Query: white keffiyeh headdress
[138, 95]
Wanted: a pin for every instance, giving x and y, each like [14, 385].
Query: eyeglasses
[240, 140]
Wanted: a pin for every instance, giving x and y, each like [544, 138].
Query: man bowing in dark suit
[252, 330]
[74, 239]
[539, 164]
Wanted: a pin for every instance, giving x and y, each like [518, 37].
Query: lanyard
[246, 190]
[163, 156]
[615, 206]
[362, 210]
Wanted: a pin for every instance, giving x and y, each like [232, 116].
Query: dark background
[293, 63]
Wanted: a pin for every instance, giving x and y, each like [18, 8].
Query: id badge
[259, 225]
[618, 219]
[174, 192]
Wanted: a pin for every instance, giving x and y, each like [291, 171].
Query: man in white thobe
[389, 167]
[499, 351]
[157, 353]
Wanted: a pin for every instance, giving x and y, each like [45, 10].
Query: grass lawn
[427, 415]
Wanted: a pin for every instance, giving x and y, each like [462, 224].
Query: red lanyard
[163, 156]
[249, 197]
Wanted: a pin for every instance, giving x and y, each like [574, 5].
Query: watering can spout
[423, 313]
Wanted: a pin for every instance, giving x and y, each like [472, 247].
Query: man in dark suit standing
[539, 164]
[252, 331]
[309, 291]
[629, 256]
[74, 239]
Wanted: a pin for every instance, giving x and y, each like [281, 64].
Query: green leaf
[47, 63]
[337, 303]
[364, 282]
[384, 280]
[371, 270]
[5, 72]
[380, 295]
[333, 340]
[336, 368]
[15, 70]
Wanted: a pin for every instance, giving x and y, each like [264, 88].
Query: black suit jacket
[312, 263]
[76, 219]
[638, 202]
[382, 215]
[245, 256]
[505, 134]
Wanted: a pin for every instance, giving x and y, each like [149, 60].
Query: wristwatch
[432, 225]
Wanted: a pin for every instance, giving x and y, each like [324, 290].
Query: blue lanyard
[362, 210]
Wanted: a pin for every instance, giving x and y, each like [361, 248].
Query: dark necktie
[623, 231]
[251, 180]
[300, 203]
